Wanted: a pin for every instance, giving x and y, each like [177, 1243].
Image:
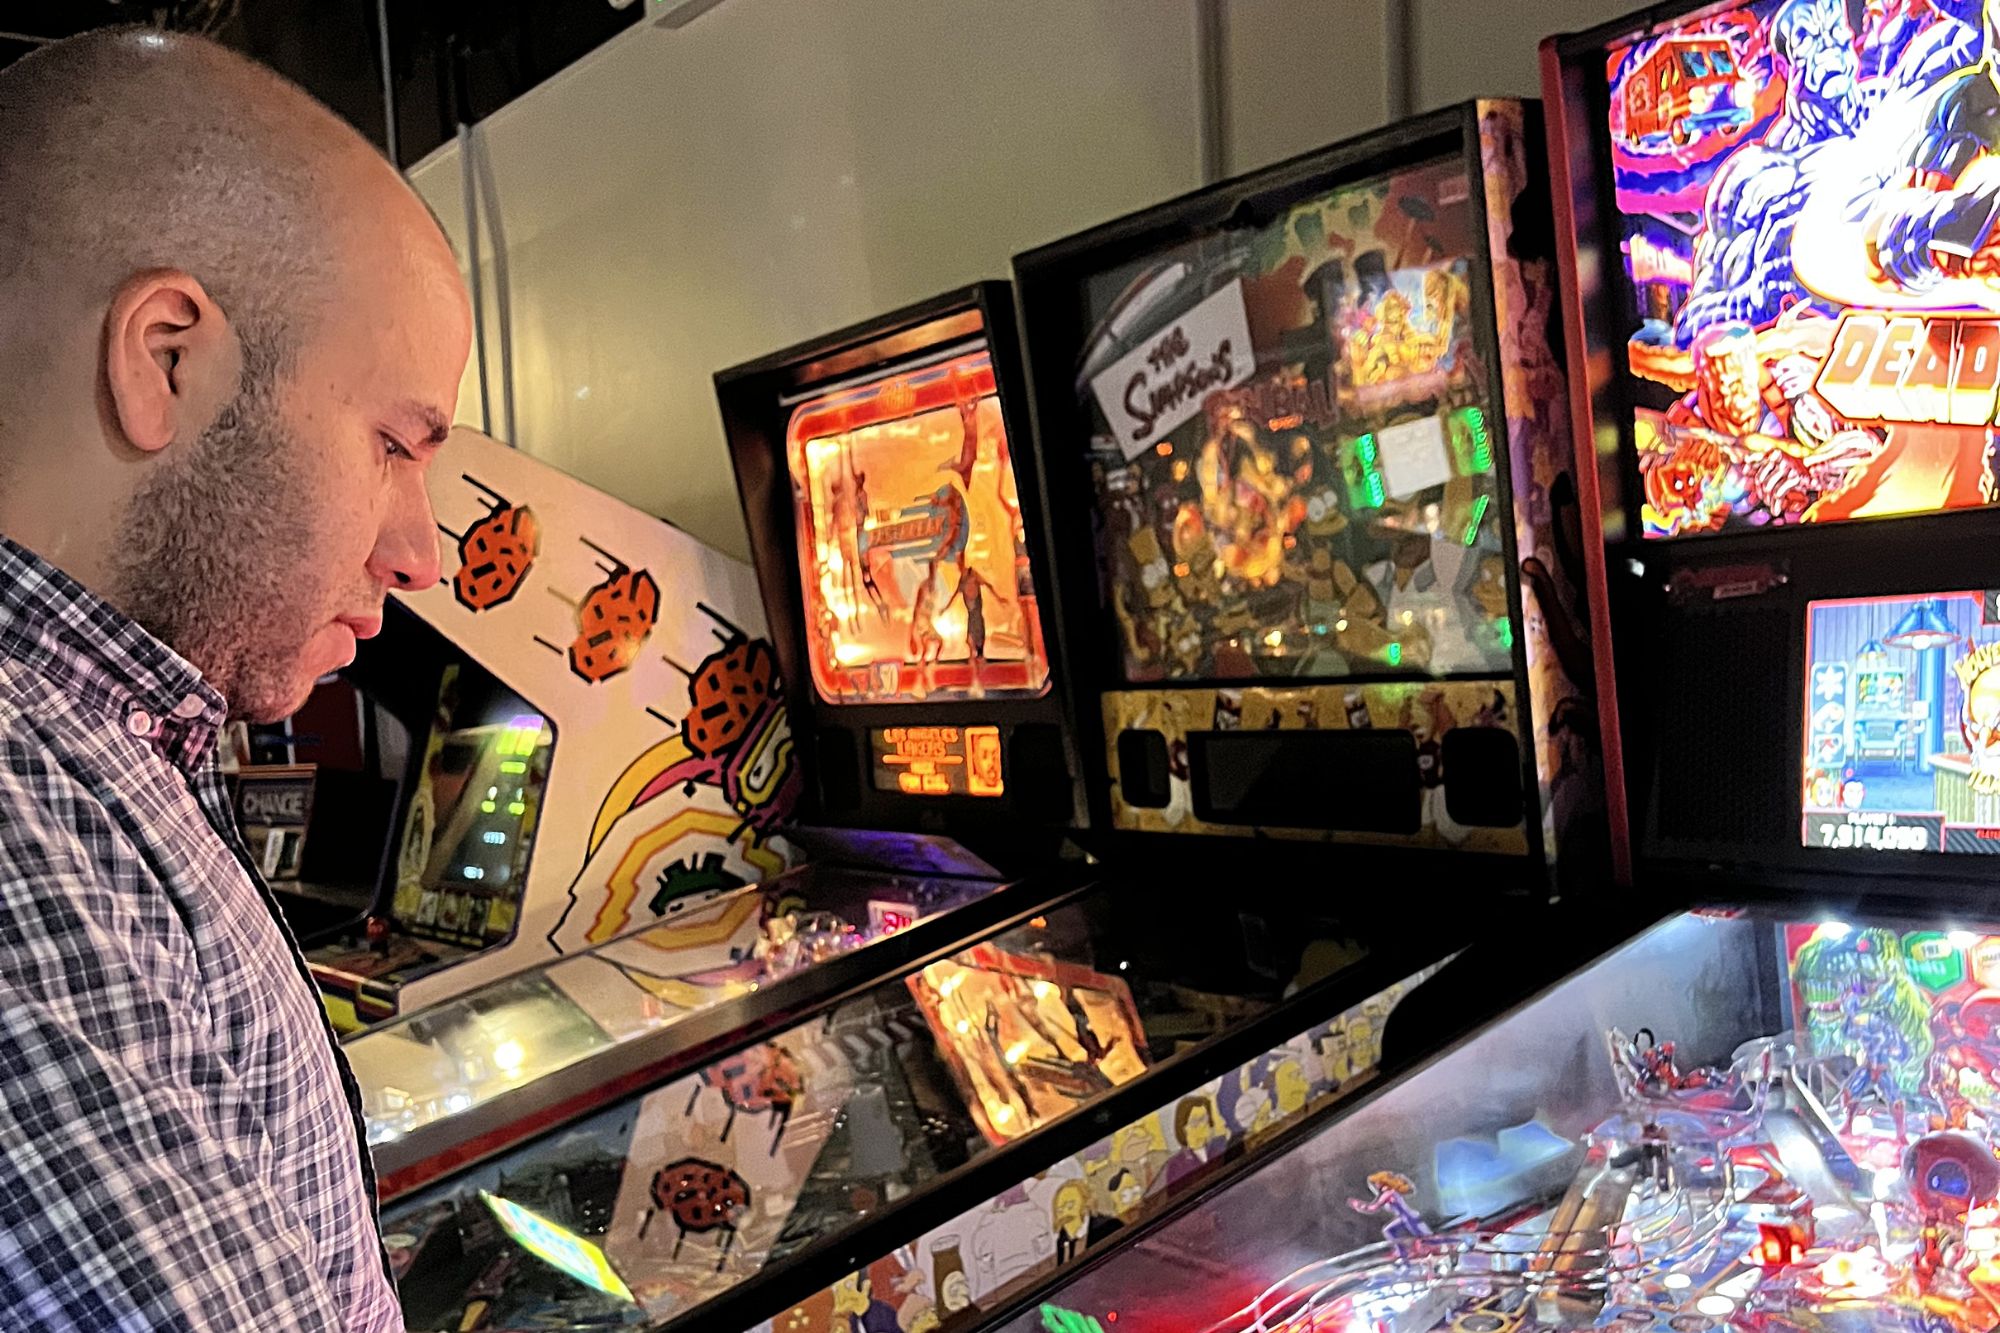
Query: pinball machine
[1317, 612]
[1770, 1108]
[1309, 427]
[546, 823]
[904, 570]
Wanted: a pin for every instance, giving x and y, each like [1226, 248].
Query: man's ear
[171, 359]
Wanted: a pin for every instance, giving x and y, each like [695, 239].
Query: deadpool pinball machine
[1773, 1107]
[953, 1103]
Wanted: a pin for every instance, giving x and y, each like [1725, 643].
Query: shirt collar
[103, 660]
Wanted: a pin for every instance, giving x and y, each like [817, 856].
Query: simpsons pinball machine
[1311, 426]
[1773, 1111]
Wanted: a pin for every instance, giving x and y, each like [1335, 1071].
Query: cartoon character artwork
[1808, 236]
[1406, 1230]
[613, 620]
[1859, 1002]
[908, 517]
[1333, 514]
[722, 786]
[700, 1198]
[1965, 1058]
[495, 553]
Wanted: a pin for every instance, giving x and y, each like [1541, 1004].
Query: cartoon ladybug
[702, 1197]
[494, 554]
[613, 621]
[727, 696]
[762, 1078]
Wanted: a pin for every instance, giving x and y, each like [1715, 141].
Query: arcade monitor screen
[1806, 202]
[1902, 723]
[912, 552]
[471, 826]
[1293, 451]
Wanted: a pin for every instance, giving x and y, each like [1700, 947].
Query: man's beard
[214, 552]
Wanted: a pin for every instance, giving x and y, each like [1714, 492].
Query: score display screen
[937, 761]
[1813, 333]
[1902, 723]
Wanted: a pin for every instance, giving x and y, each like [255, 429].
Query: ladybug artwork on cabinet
[702, 1197]
[762, 1078]
[613, 620]
[735, 712]
[495, 553]
[728, 692]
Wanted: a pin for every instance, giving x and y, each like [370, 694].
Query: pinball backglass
[912, 551]
[1808, 301]
[1293, 454]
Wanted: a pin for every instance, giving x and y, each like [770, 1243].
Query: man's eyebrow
[436, 424]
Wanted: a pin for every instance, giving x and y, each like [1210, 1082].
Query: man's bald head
[233, 338]
[130, 149]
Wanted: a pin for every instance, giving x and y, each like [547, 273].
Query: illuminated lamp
[1923, 627]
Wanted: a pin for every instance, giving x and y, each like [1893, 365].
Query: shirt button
[190, 707]
[139, 722]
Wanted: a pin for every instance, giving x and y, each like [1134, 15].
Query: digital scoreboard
[937, 760]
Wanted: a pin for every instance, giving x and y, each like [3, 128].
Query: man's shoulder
[54, 761]
[36, 719]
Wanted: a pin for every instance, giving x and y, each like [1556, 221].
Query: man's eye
[393, 449]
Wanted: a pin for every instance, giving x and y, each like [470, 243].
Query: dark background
[452, 60]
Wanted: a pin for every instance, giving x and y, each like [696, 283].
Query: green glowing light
[1478, 516]
[1395, 654]
[1506, 628]
[1055, 1319]
[1482, 446]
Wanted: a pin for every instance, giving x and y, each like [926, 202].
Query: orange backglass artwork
[912, 551]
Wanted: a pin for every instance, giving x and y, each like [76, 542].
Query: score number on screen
[1875, 831]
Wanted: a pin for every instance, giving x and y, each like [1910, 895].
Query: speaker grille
[1724, 727]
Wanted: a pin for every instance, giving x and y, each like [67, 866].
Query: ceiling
[452, 60]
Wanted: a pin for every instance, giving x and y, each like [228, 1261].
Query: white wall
[1300, 74]
[1487, 48]
[684, 200]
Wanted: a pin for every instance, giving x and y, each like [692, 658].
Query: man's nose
[406, 550]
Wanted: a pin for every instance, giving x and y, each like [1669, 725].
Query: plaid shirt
[180, 1138]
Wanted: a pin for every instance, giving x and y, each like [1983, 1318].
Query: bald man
[232, 341]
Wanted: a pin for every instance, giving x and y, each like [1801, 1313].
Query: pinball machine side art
[985, 1257]
[1548, 536]
[645, 652]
